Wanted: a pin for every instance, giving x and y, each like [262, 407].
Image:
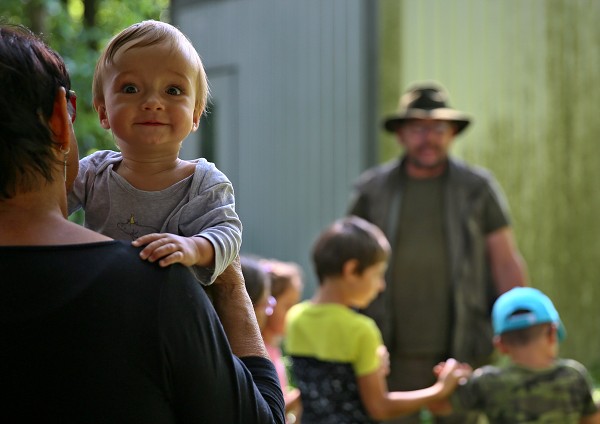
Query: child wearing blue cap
[535, 386]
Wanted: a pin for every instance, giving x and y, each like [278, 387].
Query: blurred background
[299, 88]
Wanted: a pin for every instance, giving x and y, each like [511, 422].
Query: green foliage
[61, 24]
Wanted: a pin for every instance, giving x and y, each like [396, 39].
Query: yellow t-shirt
[334, 333]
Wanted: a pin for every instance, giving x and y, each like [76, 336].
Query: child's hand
[464, 370]
[451, 373]
[168, 249]
[384, 360]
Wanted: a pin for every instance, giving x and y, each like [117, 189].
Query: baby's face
[149, 96]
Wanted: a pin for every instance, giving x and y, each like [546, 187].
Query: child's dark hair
[282, 275]
[346, 239]
[30, 75]
[256, 278]
[524, 336]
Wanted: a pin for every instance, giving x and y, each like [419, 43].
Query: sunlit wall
[527, 72]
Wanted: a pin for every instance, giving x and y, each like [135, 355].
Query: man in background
[453, 249]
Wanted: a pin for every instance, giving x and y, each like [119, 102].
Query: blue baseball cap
[536, 306]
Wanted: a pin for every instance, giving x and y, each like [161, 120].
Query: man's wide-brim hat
[426, 101]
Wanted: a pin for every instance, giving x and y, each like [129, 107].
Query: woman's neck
[38, 218]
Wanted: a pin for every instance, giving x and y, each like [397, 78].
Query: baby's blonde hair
[148, 33]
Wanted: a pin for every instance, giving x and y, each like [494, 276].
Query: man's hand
[168, 249]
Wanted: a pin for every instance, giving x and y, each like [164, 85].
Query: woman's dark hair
[30, 74]
[346, 239]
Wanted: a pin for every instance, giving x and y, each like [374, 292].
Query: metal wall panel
[292, 110]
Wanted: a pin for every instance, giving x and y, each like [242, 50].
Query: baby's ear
[102, 115]
[196, 120]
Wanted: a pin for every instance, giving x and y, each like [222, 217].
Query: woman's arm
[236, 313]
[234, 308]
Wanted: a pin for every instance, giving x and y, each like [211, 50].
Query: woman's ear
[60, 121]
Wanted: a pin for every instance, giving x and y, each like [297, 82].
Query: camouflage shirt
[561, 394]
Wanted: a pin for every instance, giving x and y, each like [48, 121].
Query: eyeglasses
[271, 302]
[72, 104]
[419, 128]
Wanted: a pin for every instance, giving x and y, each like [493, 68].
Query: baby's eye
[175, 91]
[129, 89]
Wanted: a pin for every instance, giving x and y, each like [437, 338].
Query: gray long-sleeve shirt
[200, 205]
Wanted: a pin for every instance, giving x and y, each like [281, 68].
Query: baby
[150, 90]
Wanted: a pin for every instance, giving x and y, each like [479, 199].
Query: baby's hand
[168, 249]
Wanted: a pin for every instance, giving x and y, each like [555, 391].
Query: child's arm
[384, 405]
[211, 222]
[168, 249]
[384, 360]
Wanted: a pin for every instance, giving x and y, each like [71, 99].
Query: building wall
[300, 87]
[293, 103]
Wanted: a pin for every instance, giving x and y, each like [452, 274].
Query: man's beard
[416, 162]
